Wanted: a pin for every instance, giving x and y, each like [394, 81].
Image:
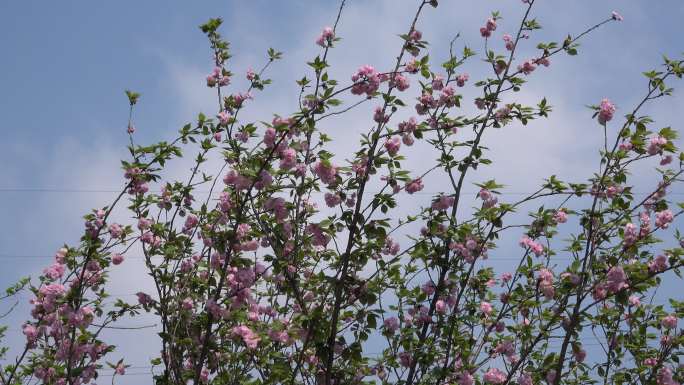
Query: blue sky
[66, 65]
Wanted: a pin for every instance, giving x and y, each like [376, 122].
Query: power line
[50, 256]
[140, 257]
[380, 354]
[87, 191]
[128, 328]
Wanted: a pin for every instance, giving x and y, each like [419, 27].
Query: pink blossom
[60, 255]
[545, 275]
[366, 80]
[52, 290]
[599, 293]
[606, 111]
[217, 77]
[440, 306]
[494, 376]
[655, 144]
[524, 379]
[115, 230]
[240, 182]
[669, 322]
[664, 377]
[428, 288]
[400, 81]
[443, 202]
[426, 102]
[326, 37]
[465, 378]
[666, 160]
[391, 247]
[187, 303]
[243, 229]
[379, 115]
[204, 375]
[326, 171]
[665, 339]
[490, 26]
[318, 237]
[332, 200]
[408, 126]
[288, 158]
[190, 222]
[502, 113]
[277, 206]
[30, 332]
[471, 244]
[250, 338]
[560, 216]
[616, 279]
[414, 186]
[143, 299]
[510, 44]
[543, 61]
[484, 194]
[551, 376]
[212, 78]
[215, 309]
[416, 35]
[149, 238]
[489, 199]
[224, 118]
[545, 279]
[630, 234]
[462, 79]
[505, 348]
[438, 82]
[651, 361]
[251, 245]
[144, 223]
[412, 66]
[405, 359]
[486, 308]
[446, 98]
[239, 98]
[392, 145]
[55, 271]
[117, 259]
[664, 218]
[499, 68]
[485, 32]
[534, 246]
[527, 67]
[391, 324]
[626, 146]
[270, 137]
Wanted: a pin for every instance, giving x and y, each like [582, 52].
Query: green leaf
[132, 97]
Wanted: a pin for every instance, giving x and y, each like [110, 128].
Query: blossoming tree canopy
[301, 267]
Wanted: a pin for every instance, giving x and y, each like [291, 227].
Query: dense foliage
[296, 270]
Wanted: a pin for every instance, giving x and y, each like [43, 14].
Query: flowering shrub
[266, 281]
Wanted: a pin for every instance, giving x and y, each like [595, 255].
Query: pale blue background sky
[65, 66]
